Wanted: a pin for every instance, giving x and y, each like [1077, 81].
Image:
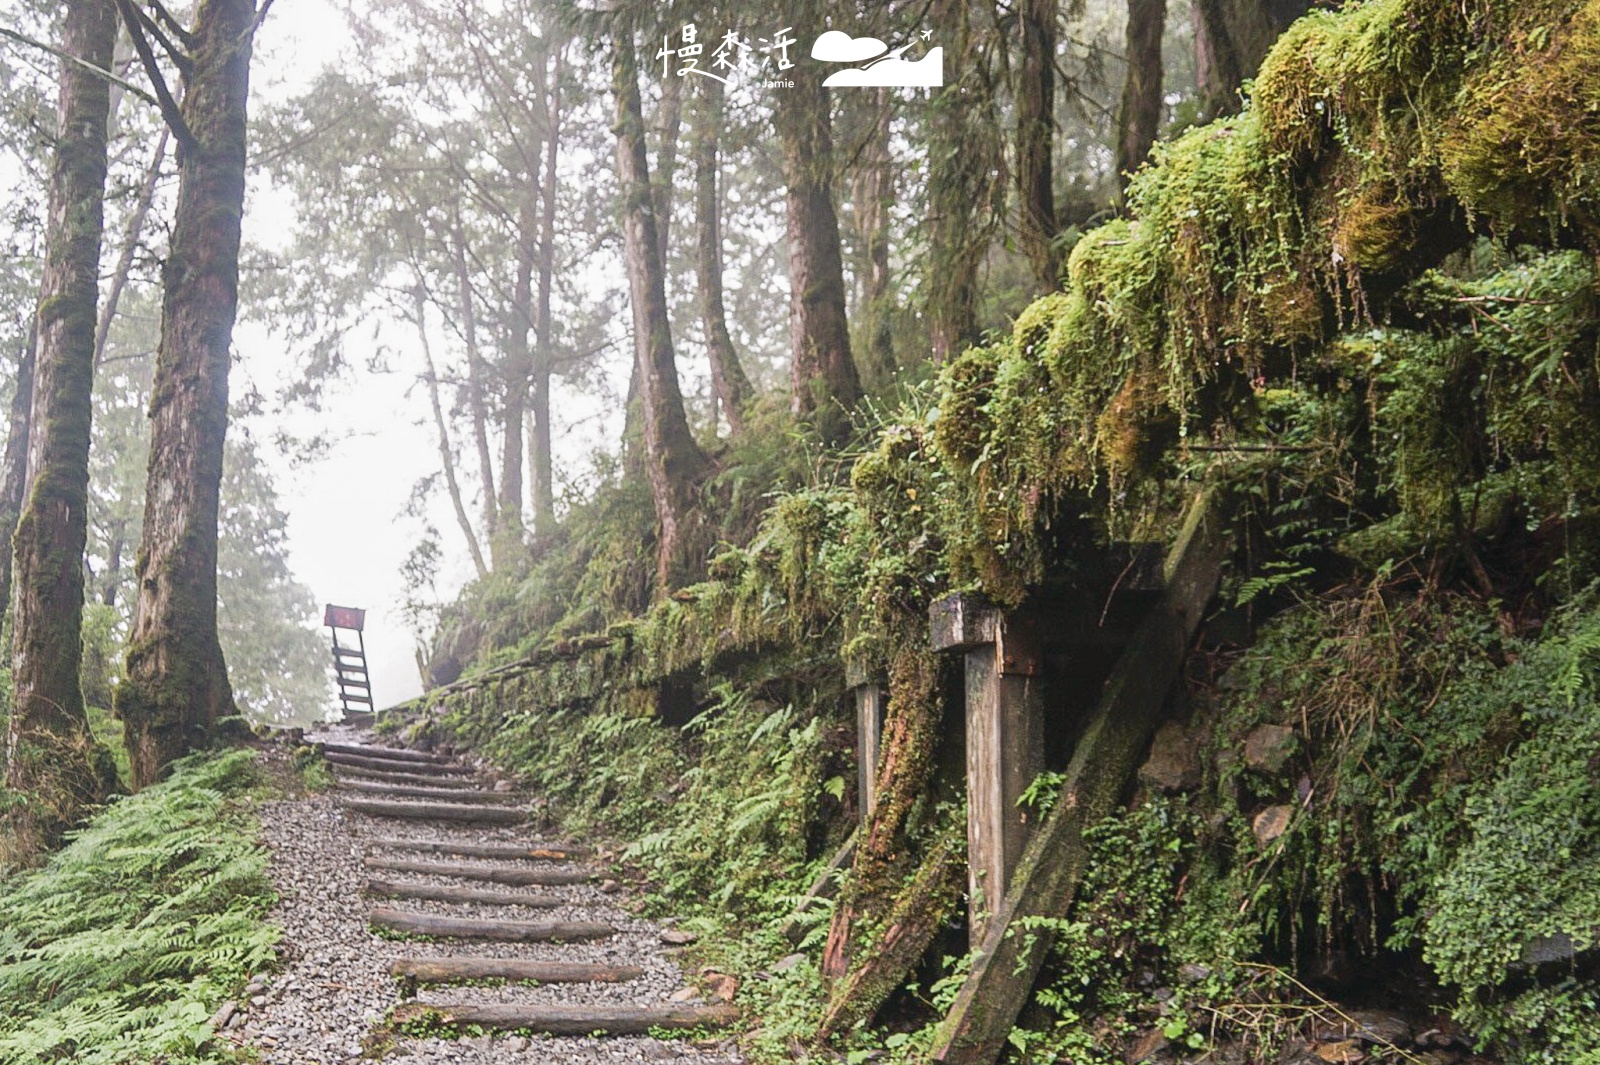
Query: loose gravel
[335, 986]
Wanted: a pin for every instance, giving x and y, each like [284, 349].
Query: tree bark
[51, 757]
[669, 124]
[728, 378]
[673, 461]
[541, 465]
[961, 190]
[447, 459]
[176, 684]
[1231, 37]
[1140, 114]
[1036, 94]
[874, 195]
[824, 383]
[506, 543]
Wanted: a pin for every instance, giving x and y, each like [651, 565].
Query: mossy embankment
[1364, 312]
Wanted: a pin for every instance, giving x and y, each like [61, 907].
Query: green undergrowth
[120, 948]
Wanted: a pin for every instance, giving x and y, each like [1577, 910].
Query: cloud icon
[927, 72]
[836, 46]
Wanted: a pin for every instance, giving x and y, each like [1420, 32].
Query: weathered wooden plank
[492, 874]
[427, 924]
[397, 754]
[541, 852]
[434, 769]
[345, 772]
[869, 736]
[445, 970]
[405, 889]
[974, 1032]
[436, 811]
[413, 791]
[586, 1020]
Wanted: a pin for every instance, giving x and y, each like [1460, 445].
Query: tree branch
[169, 107]
[76, 61]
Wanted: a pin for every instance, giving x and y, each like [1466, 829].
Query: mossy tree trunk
[51, 757]
[728, 378]
[176, 684]
[14, 474]
[1139, 116]
[964, 197]
[824, 383]
[1036, 95]
[873, 197]
[673, 461]
[884, 850]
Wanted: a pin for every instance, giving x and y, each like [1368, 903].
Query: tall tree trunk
[51, 756]
[874, 194]
[506, 544]
[1036, 95]
[728, 378]
[824, 383]
[1231, 37]
[14, 477]
[1140, 114]
[447, 458]
[669, 124]
[962, 189]
[177, 682]
[476, 404]
[541, 465]
[673, 461]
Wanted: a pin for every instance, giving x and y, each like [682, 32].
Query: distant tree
[1036, 100]
[1231, 37]
[673, 461]
[1139, 116]
[728, 379]
[176, 686]
[824, 381]
[51, 757]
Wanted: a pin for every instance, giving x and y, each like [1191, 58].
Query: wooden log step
[427, 924]
[493, 874]
[544, 852]
[432, 769]
[445, 970]
[583, 1020]
[345, 772]
[398, 754]
[436, 811]
[412, 791]
[405, 889]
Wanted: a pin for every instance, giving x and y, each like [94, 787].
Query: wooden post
[1113, 744]
[869, 696]
[1005, 739]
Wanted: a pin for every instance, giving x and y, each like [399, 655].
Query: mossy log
[396, 754]
[1118, 734]
[580, 1020]
[400, 889]
[447, 970]
[492, 874]
[384, 776]
[436, 811]
[413, 791]
[427, 924]
[540, 852]
[918, 915]
[432, 769]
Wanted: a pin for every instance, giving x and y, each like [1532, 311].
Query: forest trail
[417, 886]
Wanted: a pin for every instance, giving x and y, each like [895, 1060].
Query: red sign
[344, 617]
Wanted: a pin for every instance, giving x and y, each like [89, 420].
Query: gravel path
[335, 985]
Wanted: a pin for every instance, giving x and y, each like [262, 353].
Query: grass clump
[120, 949]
